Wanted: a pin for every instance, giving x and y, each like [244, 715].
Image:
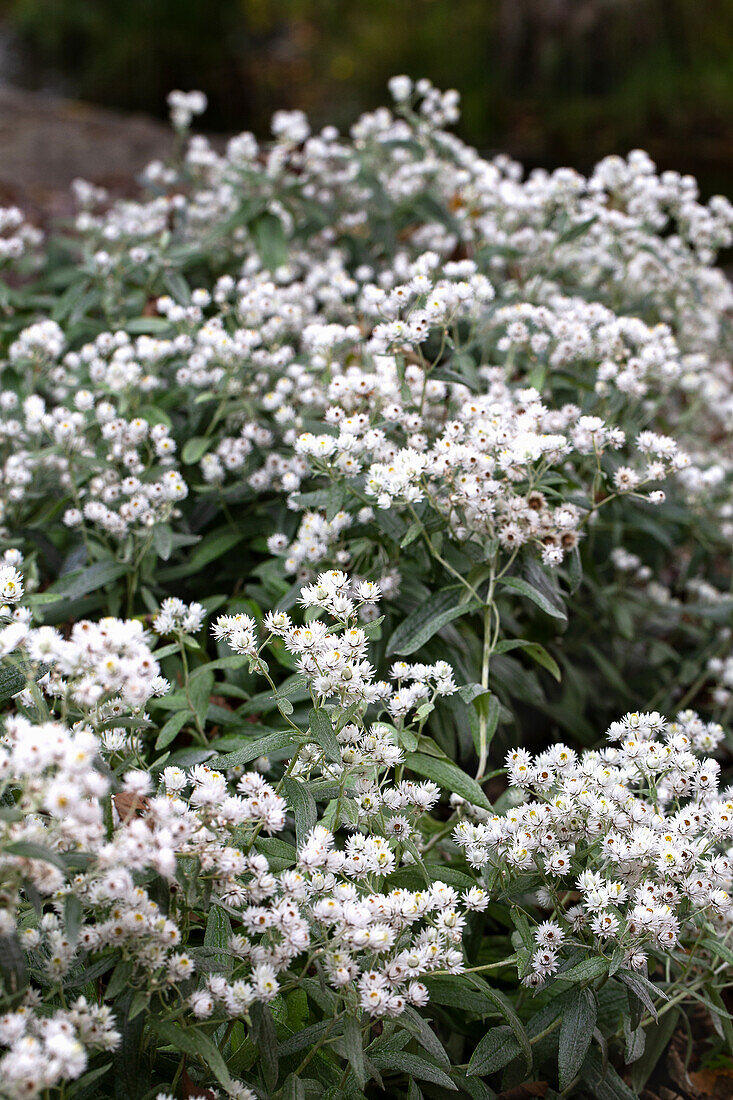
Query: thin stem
[317, 1046]
[477, 969]
[489, 643]
[187, 691]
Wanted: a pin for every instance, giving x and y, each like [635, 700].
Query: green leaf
[281, 739]
[195, 448]
[263, 1033]
[197, 1045]
[575, 570]
[426, 620]
[293, 1089]
[585, 971]
[302, 1039]
[131, 1072]
[79, 1087]
[72, 917]
[719, 949]
[217, 935]
[657, 1040]
[322, 733]
[522, 940]
[212, 547]
[279, 853]
[577, 230]
[81, 582]
[421, 1030]
[200, 689]
[448, 776]
[497, 1048]
[635, 1041]
[516, 584]
[536, 651]
[373, 630]
[605, 1085]
[14, 678]
[171, 728]
[720, 1016]
[413, 532]
[449, 989]
[470, 692]
[152, 326]
[354, 1050]
[414, 1066]
[177, 287]
[269, 237]
[506, 1010]
[303, 805]
[138, 1004]
[576, 1032]
[163, 540]
[643, 989]
[28, 849]
[119, 979]
[13, 965]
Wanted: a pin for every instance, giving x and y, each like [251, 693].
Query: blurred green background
[549, 81]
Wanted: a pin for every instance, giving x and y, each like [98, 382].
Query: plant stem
[489, 642]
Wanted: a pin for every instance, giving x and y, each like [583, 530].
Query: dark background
[550, 81]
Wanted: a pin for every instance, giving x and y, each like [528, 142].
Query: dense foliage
[352, 489]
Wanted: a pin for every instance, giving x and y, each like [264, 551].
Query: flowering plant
[314, 516]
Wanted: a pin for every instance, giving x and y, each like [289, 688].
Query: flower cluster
[333, 661]
[640, 830]
[44, 1051]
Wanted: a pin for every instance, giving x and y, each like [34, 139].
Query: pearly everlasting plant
[335, 471]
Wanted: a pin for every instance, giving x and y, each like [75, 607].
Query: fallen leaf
[191, 1089]
[714, 1083]
[130, 805]
[525, 1091]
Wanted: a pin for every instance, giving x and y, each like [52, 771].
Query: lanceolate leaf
[506, 1010]
[585, 970]
[497, 1048]
[517, 584]
[448, 776]
[194, 449]
[657, 1040]
[415, 1066]
[197, 1044]
[14, 678]
[269, 237]
[81, 583]
[576, 1032]
[425, 621]
[354, 1050]
[642, 989]
[217, 935]
[262, 747]
[30, 849]
[604, 1080]
[303, 805]
[321, 730]
[534, 650]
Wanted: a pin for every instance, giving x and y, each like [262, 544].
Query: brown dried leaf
[525, 1091]
[190, 1088]
[131, 805]
[712, 1084]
